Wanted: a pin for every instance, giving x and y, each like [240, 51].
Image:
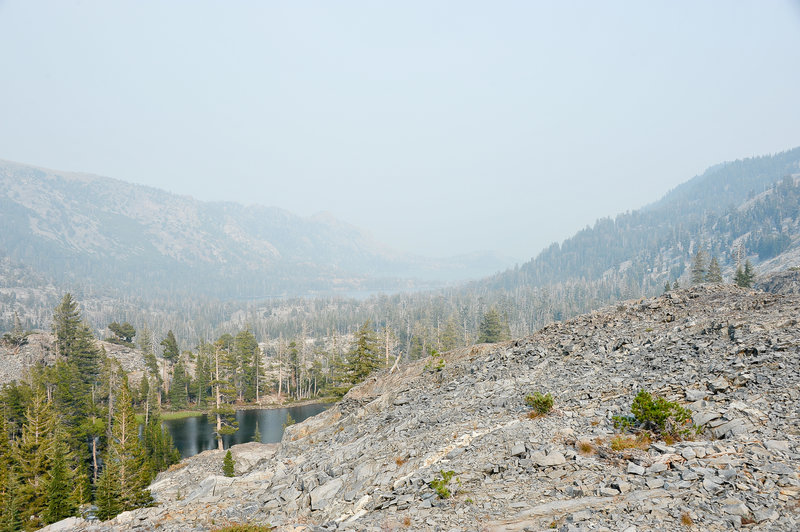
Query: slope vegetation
[379, 458]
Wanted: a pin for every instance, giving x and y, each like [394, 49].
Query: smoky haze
[442, 128]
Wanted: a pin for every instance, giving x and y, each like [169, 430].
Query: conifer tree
[170, 345]
[699, 267]
[10, 512]
[245, 348]
[126, 473]
[66, 321]
[108, 493]
[223, 391]
[714, 274]
[33, 454]
[493, 327]
[745, 277]
[257, 434]
[451, 335]
[159, 448]
[227, 464]
[8, 495]
[364, 356]
[749, 273]
[178, 395]
[60, 501]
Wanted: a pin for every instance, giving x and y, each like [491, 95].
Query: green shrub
[289, 421]
[227, 464]
[541, 404]
[441, 485]
[436, 362]
[657, 415]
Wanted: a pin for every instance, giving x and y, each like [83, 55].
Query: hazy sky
[441, 127]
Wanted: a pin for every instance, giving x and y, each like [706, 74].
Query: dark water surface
[193, 435]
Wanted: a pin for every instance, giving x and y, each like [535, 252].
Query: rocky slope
[731, 355]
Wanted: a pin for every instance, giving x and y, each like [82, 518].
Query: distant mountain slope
[74, 227]
[746, 208]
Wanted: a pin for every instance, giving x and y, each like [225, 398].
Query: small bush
[541, 404]
[441, 485]
[289, 421]
[657, 415]
[436, 362]
[227, 464]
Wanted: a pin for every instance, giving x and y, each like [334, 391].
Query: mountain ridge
[112, 227]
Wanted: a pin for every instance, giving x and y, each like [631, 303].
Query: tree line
[70, 436]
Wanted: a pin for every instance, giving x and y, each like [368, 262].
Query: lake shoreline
[193, 434]
[180, 414]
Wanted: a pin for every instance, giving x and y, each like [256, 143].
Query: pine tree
[11, 513]
[245, 348]
[257, 434]
[227, 464]
[60, 502]
[699, 267]
[127, 473]
[33, 454]
[178, 396]
[493, 328]
[158, 445]
[714, 274]
[749, 273]
[223, 391]
[8, 482]
[123, 333]
[108, 493]
[364, 356]
[745, 277]
[451, 335]
[667, 287]
[66, 321]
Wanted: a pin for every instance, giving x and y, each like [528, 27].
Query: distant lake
[193, 435]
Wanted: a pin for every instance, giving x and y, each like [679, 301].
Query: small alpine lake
[195, 434]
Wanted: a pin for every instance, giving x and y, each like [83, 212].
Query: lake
[193, 435]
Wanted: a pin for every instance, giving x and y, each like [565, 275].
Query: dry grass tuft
[620, 442]
[686, 519]
[585, 448]
[399, 461]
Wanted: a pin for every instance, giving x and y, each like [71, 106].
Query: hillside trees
[123, 333]
[57, 422]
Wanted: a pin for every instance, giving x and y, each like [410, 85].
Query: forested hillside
[733, 213]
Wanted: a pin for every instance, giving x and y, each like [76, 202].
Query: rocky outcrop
[730, 355]
[40, 349]
[783, 282]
